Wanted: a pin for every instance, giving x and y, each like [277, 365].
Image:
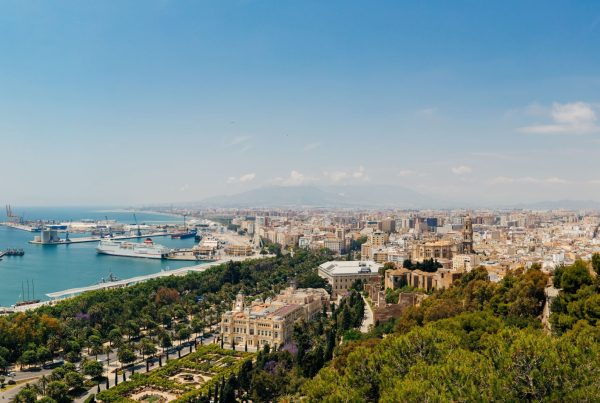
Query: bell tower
[468, 236]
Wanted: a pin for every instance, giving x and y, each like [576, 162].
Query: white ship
[148, 249]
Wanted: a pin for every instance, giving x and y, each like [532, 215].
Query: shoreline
[74, 292]
[139, 211]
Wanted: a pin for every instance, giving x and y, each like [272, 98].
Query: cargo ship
[148, 249]
[185, 234]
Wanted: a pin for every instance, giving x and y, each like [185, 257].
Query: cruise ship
[148, 249]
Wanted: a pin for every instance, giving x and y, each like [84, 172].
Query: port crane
[139, 232]
[11, 215]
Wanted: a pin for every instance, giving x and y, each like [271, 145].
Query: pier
[98, 239]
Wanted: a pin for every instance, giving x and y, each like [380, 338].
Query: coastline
[74, 292]
[139, 211]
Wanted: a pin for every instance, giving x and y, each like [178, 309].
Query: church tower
[468, 236]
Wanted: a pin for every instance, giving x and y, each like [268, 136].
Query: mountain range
[326, 196]
[367, 196]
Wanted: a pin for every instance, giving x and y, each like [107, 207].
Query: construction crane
[139, 232]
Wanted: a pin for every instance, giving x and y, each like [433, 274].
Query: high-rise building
[388, 225]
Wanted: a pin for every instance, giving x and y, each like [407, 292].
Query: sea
[50, 268]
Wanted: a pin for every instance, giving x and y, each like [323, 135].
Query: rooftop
[337, 268]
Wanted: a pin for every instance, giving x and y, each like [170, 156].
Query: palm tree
[42, 383]
[107, 351]
[97, 349]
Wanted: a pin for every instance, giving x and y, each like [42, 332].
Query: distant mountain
[560, 204]
[326, 196]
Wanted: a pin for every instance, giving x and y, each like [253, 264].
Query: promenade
[133, 280]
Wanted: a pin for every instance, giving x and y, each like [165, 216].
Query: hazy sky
[165, 101]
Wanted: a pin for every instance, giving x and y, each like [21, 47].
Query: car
[12, 374]
[53, 364]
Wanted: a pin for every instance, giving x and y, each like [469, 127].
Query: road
[368, 318]
[23, 376]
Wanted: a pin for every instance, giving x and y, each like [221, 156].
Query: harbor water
[51, 268]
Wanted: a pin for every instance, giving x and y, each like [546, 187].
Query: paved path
[140, 368]
[368, 318]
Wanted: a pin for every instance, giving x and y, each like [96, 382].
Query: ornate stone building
[271, 321]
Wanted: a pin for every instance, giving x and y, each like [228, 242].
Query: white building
[342, 274]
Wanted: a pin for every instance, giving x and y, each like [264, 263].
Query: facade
[378, 239]
[342, 274]
[335, 245]
[465, 262]
[239, 250]
[388, 225]
[270, 322]
[443, 278]
[433, 250]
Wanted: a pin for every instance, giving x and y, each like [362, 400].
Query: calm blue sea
[55, 268]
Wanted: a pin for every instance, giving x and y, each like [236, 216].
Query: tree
[74, 380]
[126, 356]
[43, 354]
[93, 369]
[198, 325]
[42, 384]
[228, 391]
[165, 340]
[183, 333]
[29, 357]
[596, 263]
[245, 375]
[574, 277]
[93, 341]
[132, 329]
[57, 390]
[97, 349]
[115, 337]
[26, 395]
[147, 348]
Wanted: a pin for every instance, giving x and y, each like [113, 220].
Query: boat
[27, 301]
[111, 279]
[148, 249]
[184, 234]
[13, 252]
[30, 302]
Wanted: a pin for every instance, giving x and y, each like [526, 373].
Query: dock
[98, 239]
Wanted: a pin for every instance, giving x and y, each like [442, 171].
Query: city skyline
[158, 102]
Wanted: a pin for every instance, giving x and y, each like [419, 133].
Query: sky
[142, 102]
